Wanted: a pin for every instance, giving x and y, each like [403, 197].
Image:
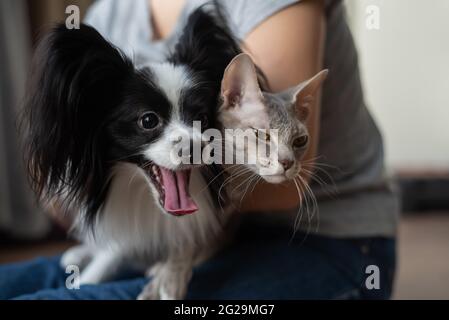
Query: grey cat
[245, 106]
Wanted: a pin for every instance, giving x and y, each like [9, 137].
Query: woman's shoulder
[245, 15]
[108, 15]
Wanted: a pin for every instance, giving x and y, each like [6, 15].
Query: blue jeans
[262, 263]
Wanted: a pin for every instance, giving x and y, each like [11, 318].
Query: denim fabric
[262, 263]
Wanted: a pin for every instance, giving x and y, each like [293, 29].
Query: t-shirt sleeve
[245, 15]
[99, 15]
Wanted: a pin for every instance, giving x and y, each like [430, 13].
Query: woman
[291, 41]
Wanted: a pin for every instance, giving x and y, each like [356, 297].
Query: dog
[100, 134]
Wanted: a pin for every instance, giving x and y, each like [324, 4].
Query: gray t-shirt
[350, 145]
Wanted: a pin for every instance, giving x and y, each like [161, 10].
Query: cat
[276, 119]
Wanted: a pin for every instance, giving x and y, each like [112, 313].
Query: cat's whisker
[331, 185]
[243, 182]
[246, 171]
[232, 177]
[330, 189]
[314, 177]
[305, 206]
[319, 165]
[216, 177]
[308, 205]
[220, 197]
[315, 164]
[298, 217]
[313, 199]
[259, 178]
[311, 160]
[250, 180]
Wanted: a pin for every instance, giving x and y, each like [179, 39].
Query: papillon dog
[100, 131]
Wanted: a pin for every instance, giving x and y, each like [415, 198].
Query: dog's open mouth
[173, 189]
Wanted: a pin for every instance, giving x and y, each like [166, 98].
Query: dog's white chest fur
[132, 220]
[133, 229]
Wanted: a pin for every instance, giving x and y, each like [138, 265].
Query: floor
[25, 252]
[423, 268]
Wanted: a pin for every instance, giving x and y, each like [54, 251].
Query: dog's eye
[149, 121]
[300, 142]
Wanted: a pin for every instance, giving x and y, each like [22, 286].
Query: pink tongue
[177, 197]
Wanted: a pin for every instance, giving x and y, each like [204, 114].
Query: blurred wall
[405, 69]
[19, 215]
[21, 21]
[45, 12]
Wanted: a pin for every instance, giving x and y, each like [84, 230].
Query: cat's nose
[286, 164]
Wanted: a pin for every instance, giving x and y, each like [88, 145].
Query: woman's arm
[288, 47]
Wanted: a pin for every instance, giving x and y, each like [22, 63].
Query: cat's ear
[304, 94]
[240, 84]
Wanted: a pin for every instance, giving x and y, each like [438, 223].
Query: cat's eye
[300, 142]
[149, 121]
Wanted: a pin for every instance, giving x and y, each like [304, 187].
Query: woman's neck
[164, 15]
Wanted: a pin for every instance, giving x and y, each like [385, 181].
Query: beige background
[405, 70]
[44, 12]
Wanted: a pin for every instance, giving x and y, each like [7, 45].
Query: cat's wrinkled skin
[245, 106]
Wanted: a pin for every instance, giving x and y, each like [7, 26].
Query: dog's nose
[287, 164]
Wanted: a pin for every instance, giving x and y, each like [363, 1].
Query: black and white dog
[100, 132]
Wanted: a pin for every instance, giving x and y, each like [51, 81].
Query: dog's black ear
[206, 44]
[77, 79]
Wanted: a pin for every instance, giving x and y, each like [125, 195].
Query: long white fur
[133, 231]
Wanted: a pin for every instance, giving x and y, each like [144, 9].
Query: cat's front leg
[169, 280]
[105, 265]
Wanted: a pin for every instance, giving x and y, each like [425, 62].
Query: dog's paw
[169, 282]
[78, 256]
[149, 292]
[153, 270]
[159, 291]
